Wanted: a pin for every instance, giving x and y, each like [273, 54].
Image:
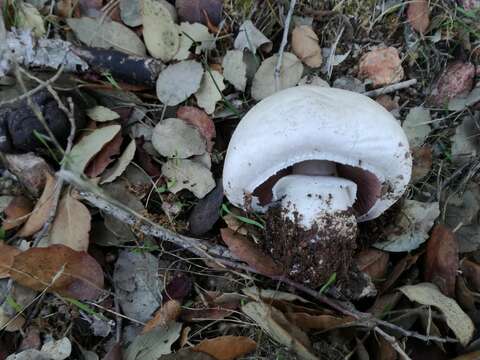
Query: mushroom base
[310, 256]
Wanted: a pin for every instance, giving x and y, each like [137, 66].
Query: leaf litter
[160, 162]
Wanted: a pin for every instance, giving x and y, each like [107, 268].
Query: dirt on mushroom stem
[310, 256]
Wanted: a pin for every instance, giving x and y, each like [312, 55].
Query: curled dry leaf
[102, 114]
[247, 251]
[274, 323]
[305, 45]
[168, 312]
[122, 163]
[226, 347]
[89, 146]
[17, 212]
[264, 81]
[173, 137]
[7, 256]
[210, 91]
[249, 37]
[106, 35]
[235, 69]
[41, 211]
[422, 162]
[382, 66]
[200, 11]
[411, 230]
[317, 322]
[457, 320]
[457, 79]
[441, 259]
[60, 269]
[418, 15]
[101, 161]
[72, 223]
[201, 120]
[178, 81]
[373, 262]
[190, 175]
[159, 30]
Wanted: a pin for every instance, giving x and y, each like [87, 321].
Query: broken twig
[278, 66]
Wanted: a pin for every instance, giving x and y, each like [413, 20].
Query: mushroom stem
[315, 167]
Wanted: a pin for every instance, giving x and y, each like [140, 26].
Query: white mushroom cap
[318, 123]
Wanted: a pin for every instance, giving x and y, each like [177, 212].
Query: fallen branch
[390, 88]
[278, 66]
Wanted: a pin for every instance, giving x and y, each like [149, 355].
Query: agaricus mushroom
[316, 160]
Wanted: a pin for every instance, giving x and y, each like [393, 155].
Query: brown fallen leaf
[388, 102]
[200, 119]
[7, 255]
[422, 162]
[457, 79]
[168, 312]
[373, 262]
[59, 269]
[403, 265]
[72, 224]
[212, 313]
[17, 212]
[305, 45]
[382, 66]
[385, 350]
[200, 11]
[99, 163]
[42, 208]
[441, 259]
[226, 347]
[471, 272]
[317, 322]
[247, 251]
[418, 15]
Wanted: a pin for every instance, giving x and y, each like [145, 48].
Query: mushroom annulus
[316, 160]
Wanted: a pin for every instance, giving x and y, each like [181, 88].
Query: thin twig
[390, 88]
[278, 66]
[393, 342]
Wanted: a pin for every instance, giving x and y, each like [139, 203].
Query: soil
[310, 256]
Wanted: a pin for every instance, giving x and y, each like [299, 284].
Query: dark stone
[207, 211]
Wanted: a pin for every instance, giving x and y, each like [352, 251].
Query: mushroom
[316, 160]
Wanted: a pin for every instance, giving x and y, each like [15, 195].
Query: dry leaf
[193, 34]
[457, 320]
[122, 163]
[317, 322]
[169, 311]
[305, 45]
[235, 69]
[416, 125]
[178, 81]
[404, 264]
[466, 141]
[173, 137]
[188, 174]
[441, 259]
[41, 211]
[28, 18]
[373, 262]
[264, 80]
[89, 146]
[456, 80]
[7, 256]
[247, 251]
[102, 114]
[101, 161]
[210, 91]
[131, 12]
[422, 162]
[249, 37]
[418, 15]
[200, 11]
[273, 322]
[159, 30]
[59, 269]
[226, 347]
[17, 212]
[106, 35]
[72, 223]
[200, 119]
[382, 66]
[471, 272]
